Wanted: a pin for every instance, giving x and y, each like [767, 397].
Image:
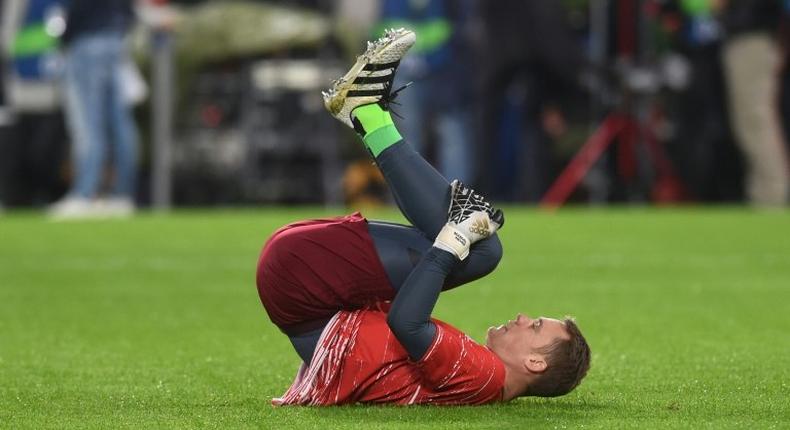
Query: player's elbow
[415, 336]
[396, 324]
[401, 327]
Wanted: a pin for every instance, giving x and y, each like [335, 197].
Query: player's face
[524, 335]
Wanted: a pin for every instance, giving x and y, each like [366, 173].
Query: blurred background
[113, 106]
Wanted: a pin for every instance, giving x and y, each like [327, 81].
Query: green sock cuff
[381, 131]
[381, 139]
[372, 117]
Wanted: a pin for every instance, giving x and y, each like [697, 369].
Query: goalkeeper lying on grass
[327, 284]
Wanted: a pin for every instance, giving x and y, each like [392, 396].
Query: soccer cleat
[470, 219]
[370, 79]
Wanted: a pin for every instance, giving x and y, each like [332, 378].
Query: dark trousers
[31, 165]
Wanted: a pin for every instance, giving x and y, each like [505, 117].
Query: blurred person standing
[5, 35]
[33, 135]
[529, 60]
[752, 61]
[98, 115]
[440, 70]
[784, 43]
[705, 155]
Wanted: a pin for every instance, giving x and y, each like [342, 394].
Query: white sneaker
[370, 79]
[470, 219]
[70, 208]
[116, 207]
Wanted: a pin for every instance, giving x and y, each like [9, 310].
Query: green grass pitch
[155, 322]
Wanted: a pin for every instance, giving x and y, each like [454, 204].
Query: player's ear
[535, 363]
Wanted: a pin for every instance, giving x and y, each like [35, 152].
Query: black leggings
[423, 196]
[401, 247]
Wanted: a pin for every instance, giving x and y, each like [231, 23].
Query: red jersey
[358, 359]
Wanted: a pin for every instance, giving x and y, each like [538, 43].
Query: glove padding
[470, 219]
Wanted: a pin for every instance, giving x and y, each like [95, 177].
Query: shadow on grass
[538, 410]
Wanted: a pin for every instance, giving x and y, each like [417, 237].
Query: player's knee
[490, 253]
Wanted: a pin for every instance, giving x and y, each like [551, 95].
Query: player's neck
[515, 384]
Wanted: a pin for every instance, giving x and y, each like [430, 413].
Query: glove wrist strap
[453, 240]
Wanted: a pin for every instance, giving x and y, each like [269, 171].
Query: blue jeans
[99, 118]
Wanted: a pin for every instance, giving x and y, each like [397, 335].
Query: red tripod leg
[573, 174]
